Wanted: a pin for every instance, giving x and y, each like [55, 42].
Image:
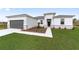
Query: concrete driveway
[9, 31]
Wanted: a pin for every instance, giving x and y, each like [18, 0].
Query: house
[24, 21]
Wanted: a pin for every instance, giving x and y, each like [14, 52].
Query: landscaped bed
[36, 29]
[63, 40]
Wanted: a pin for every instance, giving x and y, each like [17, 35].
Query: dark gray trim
[39, 17]
[64, 16]
[49, 13]
[20, 15]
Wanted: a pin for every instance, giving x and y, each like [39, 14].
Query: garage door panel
[16, 24]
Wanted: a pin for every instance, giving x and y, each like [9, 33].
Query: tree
[74, 20]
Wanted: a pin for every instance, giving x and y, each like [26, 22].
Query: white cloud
[7, 9]
[1, 8]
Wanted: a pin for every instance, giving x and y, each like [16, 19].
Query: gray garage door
[16, 24]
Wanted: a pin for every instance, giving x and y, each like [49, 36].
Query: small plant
[59, 27]
[65, 28]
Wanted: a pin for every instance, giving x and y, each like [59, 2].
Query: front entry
[49, 22]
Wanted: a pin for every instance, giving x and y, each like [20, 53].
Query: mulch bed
[36, 29]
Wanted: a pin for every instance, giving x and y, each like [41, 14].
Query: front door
[49, 22]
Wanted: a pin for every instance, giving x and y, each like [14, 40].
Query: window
[41, 21]
[62, 21]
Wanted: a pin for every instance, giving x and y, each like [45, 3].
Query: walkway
[9, 31]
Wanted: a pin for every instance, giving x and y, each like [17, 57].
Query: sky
[37, 12]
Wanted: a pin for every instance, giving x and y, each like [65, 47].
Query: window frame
[41, 21]
[62, 21]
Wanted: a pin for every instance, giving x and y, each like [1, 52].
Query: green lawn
[63, 40]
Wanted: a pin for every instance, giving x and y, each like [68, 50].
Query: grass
[63, 40]
[20, 41]
[66, 39]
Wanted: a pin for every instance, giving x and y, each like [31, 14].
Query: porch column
[45, 23]
[25, 24]
[52, 23]
[8, 24]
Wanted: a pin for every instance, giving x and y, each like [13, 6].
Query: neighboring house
[24, 21]
[3, 23]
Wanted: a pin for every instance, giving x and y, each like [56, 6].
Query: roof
[58, 16]
[49, 13]
[39, 17]
[20, 15]
[64, 16]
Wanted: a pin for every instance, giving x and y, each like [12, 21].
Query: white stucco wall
[45, 22]
[45, 19]
[56, 23]
[31, 22]
[68, 23]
